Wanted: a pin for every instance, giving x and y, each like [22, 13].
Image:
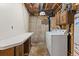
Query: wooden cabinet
[19, 50]
[24, 49]
[7, 52]
[27, 46]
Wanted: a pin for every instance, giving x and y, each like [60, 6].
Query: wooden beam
[32, 8]
[58, 8]
[54, 5]
[50, 6]
[46, 6]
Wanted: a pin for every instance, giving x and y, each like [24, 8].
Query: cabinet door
[27, 46]
[7, 52]
[20, 50]
[58, 48]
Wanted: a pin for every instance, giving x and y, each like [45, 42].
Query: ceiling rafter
[34, 8]
[53, 5]
[59, 7]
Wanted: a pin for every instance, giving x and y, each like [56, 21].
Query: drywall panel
[12, 19]
[26, 19]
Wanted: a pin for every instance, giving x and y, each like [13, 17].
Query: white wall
[26, 19]
[13, 15]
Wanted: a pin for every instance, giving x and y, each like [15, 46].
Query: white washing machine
[56, 41]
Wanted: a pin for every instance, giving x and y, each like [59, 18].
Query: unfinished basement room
[39, 29]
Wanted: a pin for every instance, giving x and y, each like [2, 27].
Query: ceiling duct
[41, 6]
[42, 12]
[45, 12]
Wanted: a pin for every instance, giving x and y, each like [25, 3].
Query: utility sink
[56, 41]
[57, 32]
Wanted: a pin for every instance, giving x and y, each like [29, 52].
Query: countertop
[14, 41]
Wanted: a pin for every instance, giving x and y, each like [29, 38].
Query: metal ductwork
[42, 12]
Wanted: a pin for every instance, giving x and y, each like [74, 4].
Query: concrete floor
[39, 49]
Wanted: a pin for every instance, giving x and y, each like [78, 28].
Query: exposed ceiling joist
[46, 6]
[53, 5]
[34, 8]
[59, 7]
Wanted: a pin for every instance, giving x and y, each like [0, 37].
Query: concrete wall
[39, 29]
[13, 20]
